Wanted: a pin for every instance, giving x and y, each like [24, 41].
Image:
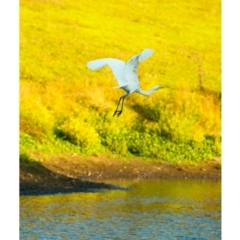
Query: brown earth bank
[84, 174]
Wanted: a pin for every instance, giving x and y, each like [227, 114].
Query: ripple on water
[151, 209]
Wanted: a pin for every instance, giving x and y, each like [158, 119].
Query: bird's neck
[149, 92]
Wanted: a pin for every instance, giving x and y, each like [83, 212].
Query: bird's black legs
[118, 112]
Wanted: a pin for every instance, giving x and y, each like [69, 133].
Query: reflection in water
[150, 209]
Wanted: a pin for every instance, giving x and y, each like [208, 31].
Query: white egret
[125, 74]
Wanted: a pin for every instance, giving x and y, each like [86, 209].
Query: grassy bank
[66, 108]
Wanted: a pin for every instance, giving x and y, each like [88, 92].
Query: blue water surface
[149, 209]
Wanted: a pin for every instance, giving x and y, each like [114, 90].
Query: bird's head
[158, 87]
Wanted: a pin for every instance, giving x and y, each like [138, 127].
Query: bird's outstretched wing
[132, 64]
[117, 66]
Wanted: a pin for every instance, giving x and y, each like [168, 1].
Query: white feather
[117, 66]
[132, 65]
[125, 73]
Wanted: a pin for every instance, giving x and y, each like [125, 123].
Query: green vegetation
[67, 108]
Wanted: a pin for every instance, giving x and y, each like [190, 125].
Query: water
[150, 209]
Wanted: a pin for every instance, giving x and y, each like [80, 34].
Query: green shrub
[36, 120]
[80, 133]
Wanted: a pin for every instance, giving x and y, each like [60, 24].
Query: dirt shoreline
[78, 174]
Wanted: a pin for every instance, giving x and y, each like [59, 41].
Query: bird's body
[125, 74]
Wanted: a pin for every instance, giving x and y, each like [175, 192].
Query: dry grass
[57, 39]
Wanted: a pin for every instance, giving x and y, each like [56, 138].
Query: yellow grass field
[67, 108]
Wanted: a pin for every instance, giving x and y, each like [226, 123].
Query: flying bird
[125, 74]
